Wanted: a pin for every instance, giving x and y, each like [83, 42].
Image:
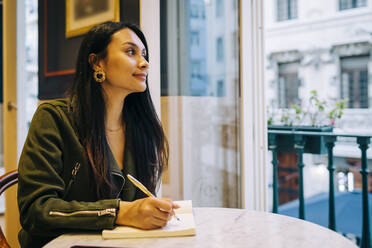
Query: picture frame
[82, 15]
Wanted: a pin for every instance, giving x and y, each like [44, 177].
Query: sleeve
[40, 186]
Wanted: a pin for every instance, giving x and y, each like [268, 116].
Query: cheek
[120, 66]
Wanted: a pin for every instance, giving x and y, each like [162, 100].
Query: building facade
[324, 46]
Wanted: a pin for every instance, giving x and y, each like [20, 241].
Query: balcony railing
[300, 138]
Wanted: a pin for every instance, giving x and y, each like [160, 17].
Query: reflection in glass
[200, 100]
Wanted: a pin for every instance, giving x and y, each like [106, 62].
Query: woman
[79, 149]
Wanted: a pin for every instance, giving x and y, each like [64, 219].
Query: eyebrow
[133, 44]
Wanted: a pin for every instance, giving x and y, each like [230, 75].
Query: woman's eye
[131, 51]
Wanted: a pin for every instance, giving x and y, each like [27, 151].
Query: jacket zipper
[73, 176]
[108, 211]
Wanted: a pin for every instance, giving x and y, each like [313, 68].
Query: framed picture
[81, 15]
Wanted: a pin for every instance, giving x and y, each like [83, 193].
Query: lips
[140, 75]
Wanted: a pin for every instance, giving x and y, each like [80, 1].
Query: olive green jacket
[56, 188]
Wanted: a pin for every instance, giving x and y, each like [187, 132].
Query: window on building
[219, 8]
[194, 11]
[220, 88]
[286, 10]
[288, 84]
[195, 69]
[351, 4]
[235, 44]
[354, 81]
[220, 48]
[194, 35]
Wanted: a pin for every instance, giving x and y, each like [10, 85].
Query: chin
[143, 87]
[140, 89]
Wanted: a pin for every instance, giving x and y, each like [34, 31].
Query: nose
[143, 64]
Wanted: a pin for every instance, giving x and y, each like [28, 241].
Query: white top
[225, 227]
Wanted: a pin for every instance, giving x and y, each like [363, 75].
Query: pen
[139, 185]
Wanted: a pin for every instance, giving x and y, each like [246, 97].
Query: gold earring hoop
[99, 75]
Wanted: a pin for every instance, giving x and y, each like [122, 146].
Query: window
[194, 11]
[235, 44]
[235, 5]
[220, 88]
[288, 84]
[202, 126]
[351, 4]
[219, 8]
[194, 38]
[195, 69]
[354, 81]
[286, 9]
[220, 48]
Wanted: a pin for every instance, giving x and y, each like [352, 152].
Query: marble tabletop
[226, 227]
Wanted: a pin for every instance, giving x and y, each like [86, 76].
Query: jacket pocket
[75, 170]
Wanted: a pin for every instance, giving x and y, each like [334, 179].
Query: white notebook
[184, 227]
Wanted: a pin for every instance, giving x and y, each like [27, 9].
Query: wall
[57, 54]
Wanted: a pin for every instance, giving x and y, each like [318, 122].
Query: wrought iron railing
[330, 138]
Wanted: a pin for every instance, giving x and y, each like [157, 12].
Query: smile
[140, 75]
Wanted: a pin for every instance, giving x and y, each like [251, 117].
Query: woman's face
[125, 66]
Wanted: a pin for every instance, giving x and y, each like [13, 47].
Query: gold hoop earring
[99, 75]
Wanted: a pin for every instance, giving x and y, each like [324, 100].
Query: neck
[114, 107]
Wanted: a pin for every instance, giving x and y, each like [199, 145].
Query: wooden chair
[7, 180]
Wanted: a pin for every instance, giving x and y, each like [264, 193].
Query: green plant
[317, 107]
[270, 116]
[315, 113]
[299, 113]
[285, 119]
[337, 111]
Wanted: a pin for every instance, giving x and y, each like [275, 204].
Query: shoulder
[61, 103]
[57, 110]
[61, 107]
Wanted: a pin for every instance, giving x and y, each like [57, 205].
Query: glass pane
[293, 9]
[30, 72]
[288, 74]
[200, 100]
[316, 64]
[363, 88]
[349, 4]
[282, 10]
[356, 68]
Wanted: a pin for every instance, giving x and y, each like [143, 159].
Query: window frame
[292, 13]
[355, 71]
[253, 136]
[353, 4]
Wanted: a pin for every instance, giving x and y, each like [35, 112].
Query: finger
[159, 222]
[149, 227]
[163, 205]
[174, 205]
[161, 214]
[170, 217]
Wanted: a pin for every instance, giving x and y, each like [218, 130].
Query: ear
[94, 61]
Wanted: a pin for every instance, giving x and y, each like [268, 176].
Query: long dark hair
[149, 146]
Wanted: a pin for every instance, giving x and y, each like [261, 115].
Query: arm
[41, 188]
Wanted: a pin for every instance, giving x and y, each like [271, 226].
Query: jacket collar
[123, 188]
[117, 177]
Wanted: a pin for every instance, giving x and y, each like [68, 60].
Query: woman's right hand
[146, 213]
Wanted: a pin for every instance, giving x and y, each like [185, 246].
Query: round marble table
[225, 227]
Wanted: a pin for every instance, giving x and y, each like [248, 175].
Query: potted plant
[312, 118]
